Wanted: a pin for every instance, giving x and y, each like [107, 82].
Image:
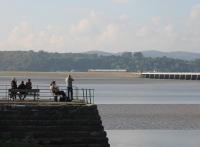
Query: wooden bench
[23, 92]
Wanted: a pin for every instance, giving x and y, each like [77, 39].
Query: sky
[104, 25]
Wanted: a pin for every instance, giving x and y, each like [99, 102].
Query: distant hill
[100, 53]
[46, 61]
[153, 53]
[176, 55]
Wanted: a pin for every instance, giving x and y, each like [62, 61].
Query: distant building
[107, 70]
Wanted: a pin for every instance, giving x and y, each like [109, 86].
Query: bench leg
[55, 98]
[24, 96]
[12, 96]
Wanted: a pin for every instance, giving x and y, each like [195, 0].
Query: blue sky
[107, 25]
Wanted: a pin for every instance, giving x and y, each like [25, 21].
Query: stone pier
[52, 124]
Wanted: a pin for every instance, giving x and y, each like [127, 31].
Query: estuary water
[143, 91]
[154, 138]
[129, 90]
[139, 91]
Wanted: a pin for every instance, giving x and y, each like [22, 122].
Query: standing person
[13, 86]
[56, 91]
[22, 87]
[29, 84]
[69, 81]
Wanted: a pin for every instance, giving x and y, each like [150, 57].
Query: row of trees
[44, 61]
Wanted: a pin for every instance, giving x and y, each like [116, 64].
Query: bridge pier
[162, 76]
[177, 77]
[151, 76]
[166, 76]
[171, 76]
[198, 77]
[188, 77]
[157, 76]
[194, 77]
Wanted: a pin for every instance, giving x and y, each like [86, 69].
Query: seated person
[55, 90]
[13, 86]
[22, 86]
[29, 84]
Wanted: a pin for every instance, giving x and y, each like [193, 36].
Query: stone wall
[53, 126]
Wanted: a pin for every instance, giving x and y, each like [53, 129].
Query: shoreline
[74, 74]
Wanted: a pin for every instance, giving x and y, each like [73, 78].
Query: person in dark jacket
[13, 86]
[22, 86]
[29, 84]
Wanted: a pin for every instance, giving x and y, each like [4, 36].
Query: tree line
[136, 62]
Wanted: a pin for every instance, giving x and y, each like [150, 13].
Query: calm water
[131, 91]
[137, 90]
[154, 138]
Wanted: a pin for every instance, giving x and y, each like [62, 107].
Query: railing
[81, 94]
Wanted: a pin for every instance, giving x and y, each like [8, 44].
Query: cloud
[21, 36]
[24, 37]
[195, 12]
[98, 31]
[120, 2]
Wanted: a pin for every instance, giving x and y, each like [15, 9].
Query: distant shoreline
[74, 74]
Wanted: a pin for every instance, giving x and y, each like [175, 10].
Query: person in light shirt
[69, 83]
[55, 90]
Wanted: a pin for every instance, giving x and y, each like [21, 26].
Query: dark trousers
[70, 93]
[62, 93]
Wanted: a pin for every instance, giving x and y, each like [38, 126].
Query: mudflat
[150, 116]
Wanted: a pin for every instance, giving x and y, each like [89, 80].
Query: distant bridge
[172, 75]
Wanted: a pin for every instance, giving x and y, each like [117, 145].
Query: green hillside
[45, 61]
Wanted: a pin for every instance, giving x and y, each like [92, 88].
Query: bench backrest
[25, 90]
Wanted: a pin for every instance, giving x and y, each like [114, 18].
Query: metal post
[37, 95]
[90, 96]
[75, 90]
[93, 96]
[6, 92]
[86, 96]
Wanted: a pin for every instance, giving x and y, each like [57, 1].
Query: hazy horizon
[107, 25]
[112, 52]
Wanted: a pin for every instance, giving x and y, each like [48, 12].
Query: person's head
[29, 80]
[53, 83]
[13, 79]
[22, 82]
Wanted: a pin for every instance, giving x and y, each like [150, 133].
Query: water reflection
[154, 138]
